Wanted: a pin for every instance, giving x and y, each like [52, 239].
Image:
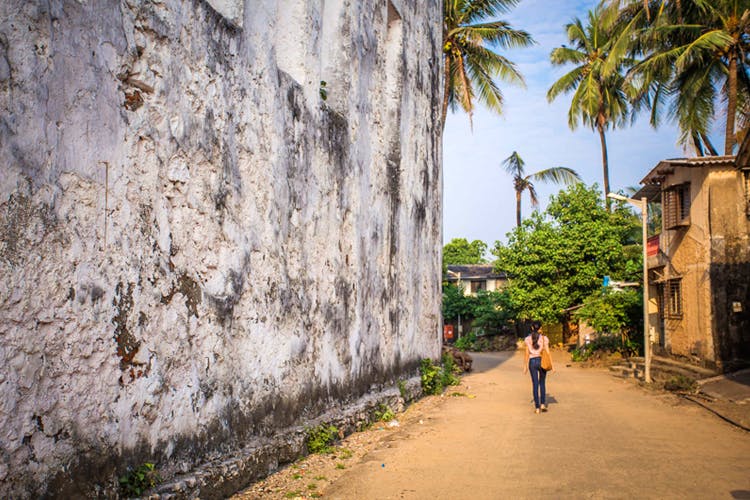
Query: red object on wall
[447, 332]
[652, 246]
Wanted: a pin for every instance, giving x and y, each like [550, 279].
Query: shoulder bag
[546, 360]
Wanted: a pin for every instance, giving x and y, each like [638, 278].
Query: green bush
[450, 371]
[384, 413]
[138, 480]
[430, 376]
[605, 343]
[681, 383]
[320, 438]
[612, 311]
[435, 378]
[402, 389]
[466, 343]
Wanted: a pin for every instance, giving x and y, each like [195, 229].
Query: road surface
[601, 438]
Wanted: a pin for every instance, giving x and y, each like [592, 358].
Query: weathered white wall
[195, 248]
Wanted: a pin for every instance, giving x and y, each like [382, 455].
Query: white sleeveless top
[542, 343]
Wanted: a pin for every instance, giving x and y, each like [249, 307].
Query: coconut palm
[469, 32]
[600, 91]
[695, 61]
[514, 165]
[707, 59]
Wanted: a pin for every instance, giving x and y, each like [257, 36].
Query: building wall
[730, 269]
[491, 285]
[202, 243]
[688, 251]
[713, 258]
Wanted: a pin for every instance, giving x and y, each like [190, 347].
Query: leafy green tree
[459, 251]
[557, 259]
[456, 303]
[597, 82]
[514, 165]
[492, 310]
[609, 311]
[471, 66]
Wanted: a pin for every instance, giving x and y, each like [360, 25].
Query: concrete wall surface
[218, 220]
[730, 269]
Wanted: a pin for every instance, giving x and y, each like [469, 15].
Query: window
[676, 206]
[478, 285]
[671, 301]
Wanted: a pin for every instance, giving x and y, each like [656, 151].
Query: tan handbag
[546, 360]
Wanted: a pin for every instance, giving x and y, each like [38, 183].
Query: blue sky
[479, 199]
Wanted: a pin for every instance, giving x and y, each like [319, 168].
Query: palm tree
[514, 165]
[600, 91]
[470, 66]
[695, 59]
[706, 59]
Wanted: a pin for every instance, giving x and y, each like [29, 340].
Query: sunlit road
[602, 438]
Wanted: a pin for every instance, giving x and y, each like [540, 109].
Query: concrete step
[661, 369]
[698, 371]
[626, 371]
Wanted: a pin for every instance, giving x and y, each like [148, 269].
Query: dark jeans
[538, 379]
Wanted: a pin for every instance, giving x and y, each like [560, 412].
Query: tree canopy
[557, 259]
[470, 32]
[597, 82]
[459, 251]
[695, 66]
[514, 165]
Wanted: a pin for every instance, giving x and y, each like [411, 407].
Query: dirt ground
[602, 438]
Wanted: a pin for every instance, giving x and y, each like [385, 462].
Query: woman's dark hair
[535, 326]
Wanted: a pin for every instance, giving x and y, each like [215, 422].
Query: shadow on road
[486, 361]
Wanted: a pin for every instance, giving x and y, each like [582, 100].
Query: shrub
[611, 311]
[450, 371]
[435, 378]
[430, 376]
[681, 383]
[138, 480]
[605, 343]
[466, 343]
[384, 413]
[320, 438]
[402, 389]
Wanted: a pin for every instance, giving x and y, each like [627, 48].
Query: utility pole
[643, 205]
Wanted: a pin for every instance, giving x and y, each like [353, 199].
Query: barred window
[676, 205]
[672, 300]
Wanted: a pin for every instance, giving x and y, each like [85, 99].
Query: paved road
[602, 438]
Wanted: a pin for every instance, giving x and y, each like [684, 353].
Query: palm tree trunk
[605, 164]
[446, 86]
[709, 146]
[697, 144]
[518, 208]
[731, 105]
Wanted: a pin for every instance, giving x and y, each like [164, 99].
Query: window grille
[478, 285]
[672, 298]
[676, 206]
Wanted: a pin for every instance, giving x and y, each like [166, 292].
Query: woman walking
[536, 343]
